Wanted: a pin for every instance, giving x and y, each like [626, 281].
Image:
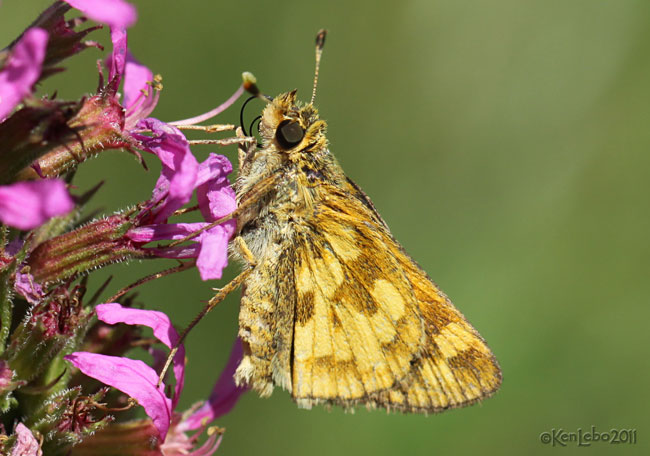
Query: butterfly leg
[220, 142]
[218, 297]
[239, 139]
[256, 193]
[244, 252]
[207, 128]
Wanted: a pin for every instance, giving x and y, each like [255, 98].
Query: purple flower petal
[179, 252]
[163, 231]
[216, 200]
[213, 253]
[163, 330]
[136, 77]
[179, 443]
[14, 246]
[214, 168]
[22, 69]
[27, 287]
[114, 313]
[215, 196]
[116, 61]
[178, 176]
[140, 98]
[225, 394]
[132, 377]
[26, 444]
[27, 205]
[116, 13]
[159, 358]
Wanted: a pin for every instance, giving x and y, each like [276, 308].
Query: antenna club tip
[320, 39]
[249, 82]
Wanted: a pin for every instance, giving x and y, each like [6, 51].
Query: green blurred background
[506, 143]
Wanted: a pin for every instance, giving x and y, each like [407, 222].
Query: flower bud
[89, 247]
[50, 326]
[66, 419]
[96, 126]
[30, 133]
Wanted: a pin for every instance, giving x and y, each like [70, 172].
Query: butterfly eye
[289, 134]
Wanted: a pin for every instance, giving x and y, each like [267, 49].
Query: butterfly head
[291, 127]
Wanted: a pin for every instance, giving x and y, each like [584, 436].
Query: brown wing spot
[324, 378]
[478, 367]
[336, 321]
[357, 296]
[305, 307]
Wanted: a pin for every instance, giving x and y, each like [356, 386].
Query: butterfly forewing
[357, 336]
[357, 326]
[455, 368]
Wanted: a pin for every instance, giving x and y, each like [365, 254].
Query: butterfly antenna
[320, 42]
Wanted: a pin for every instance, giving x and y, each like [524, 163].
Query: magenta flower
[127, 126]
[225, 395]
[134, 377]
[47, 264]
[140, 96]
[181, 174]
[216, 200]
[179, 168]
[103, 122]
[27, 205]
[22, 69]
[125, 236]
[109, 123]
[116, 13]
[26, 444]
[162, 330]
[139, 381]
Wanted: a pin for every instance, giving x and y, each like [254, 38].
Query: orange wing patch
[357, 325]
